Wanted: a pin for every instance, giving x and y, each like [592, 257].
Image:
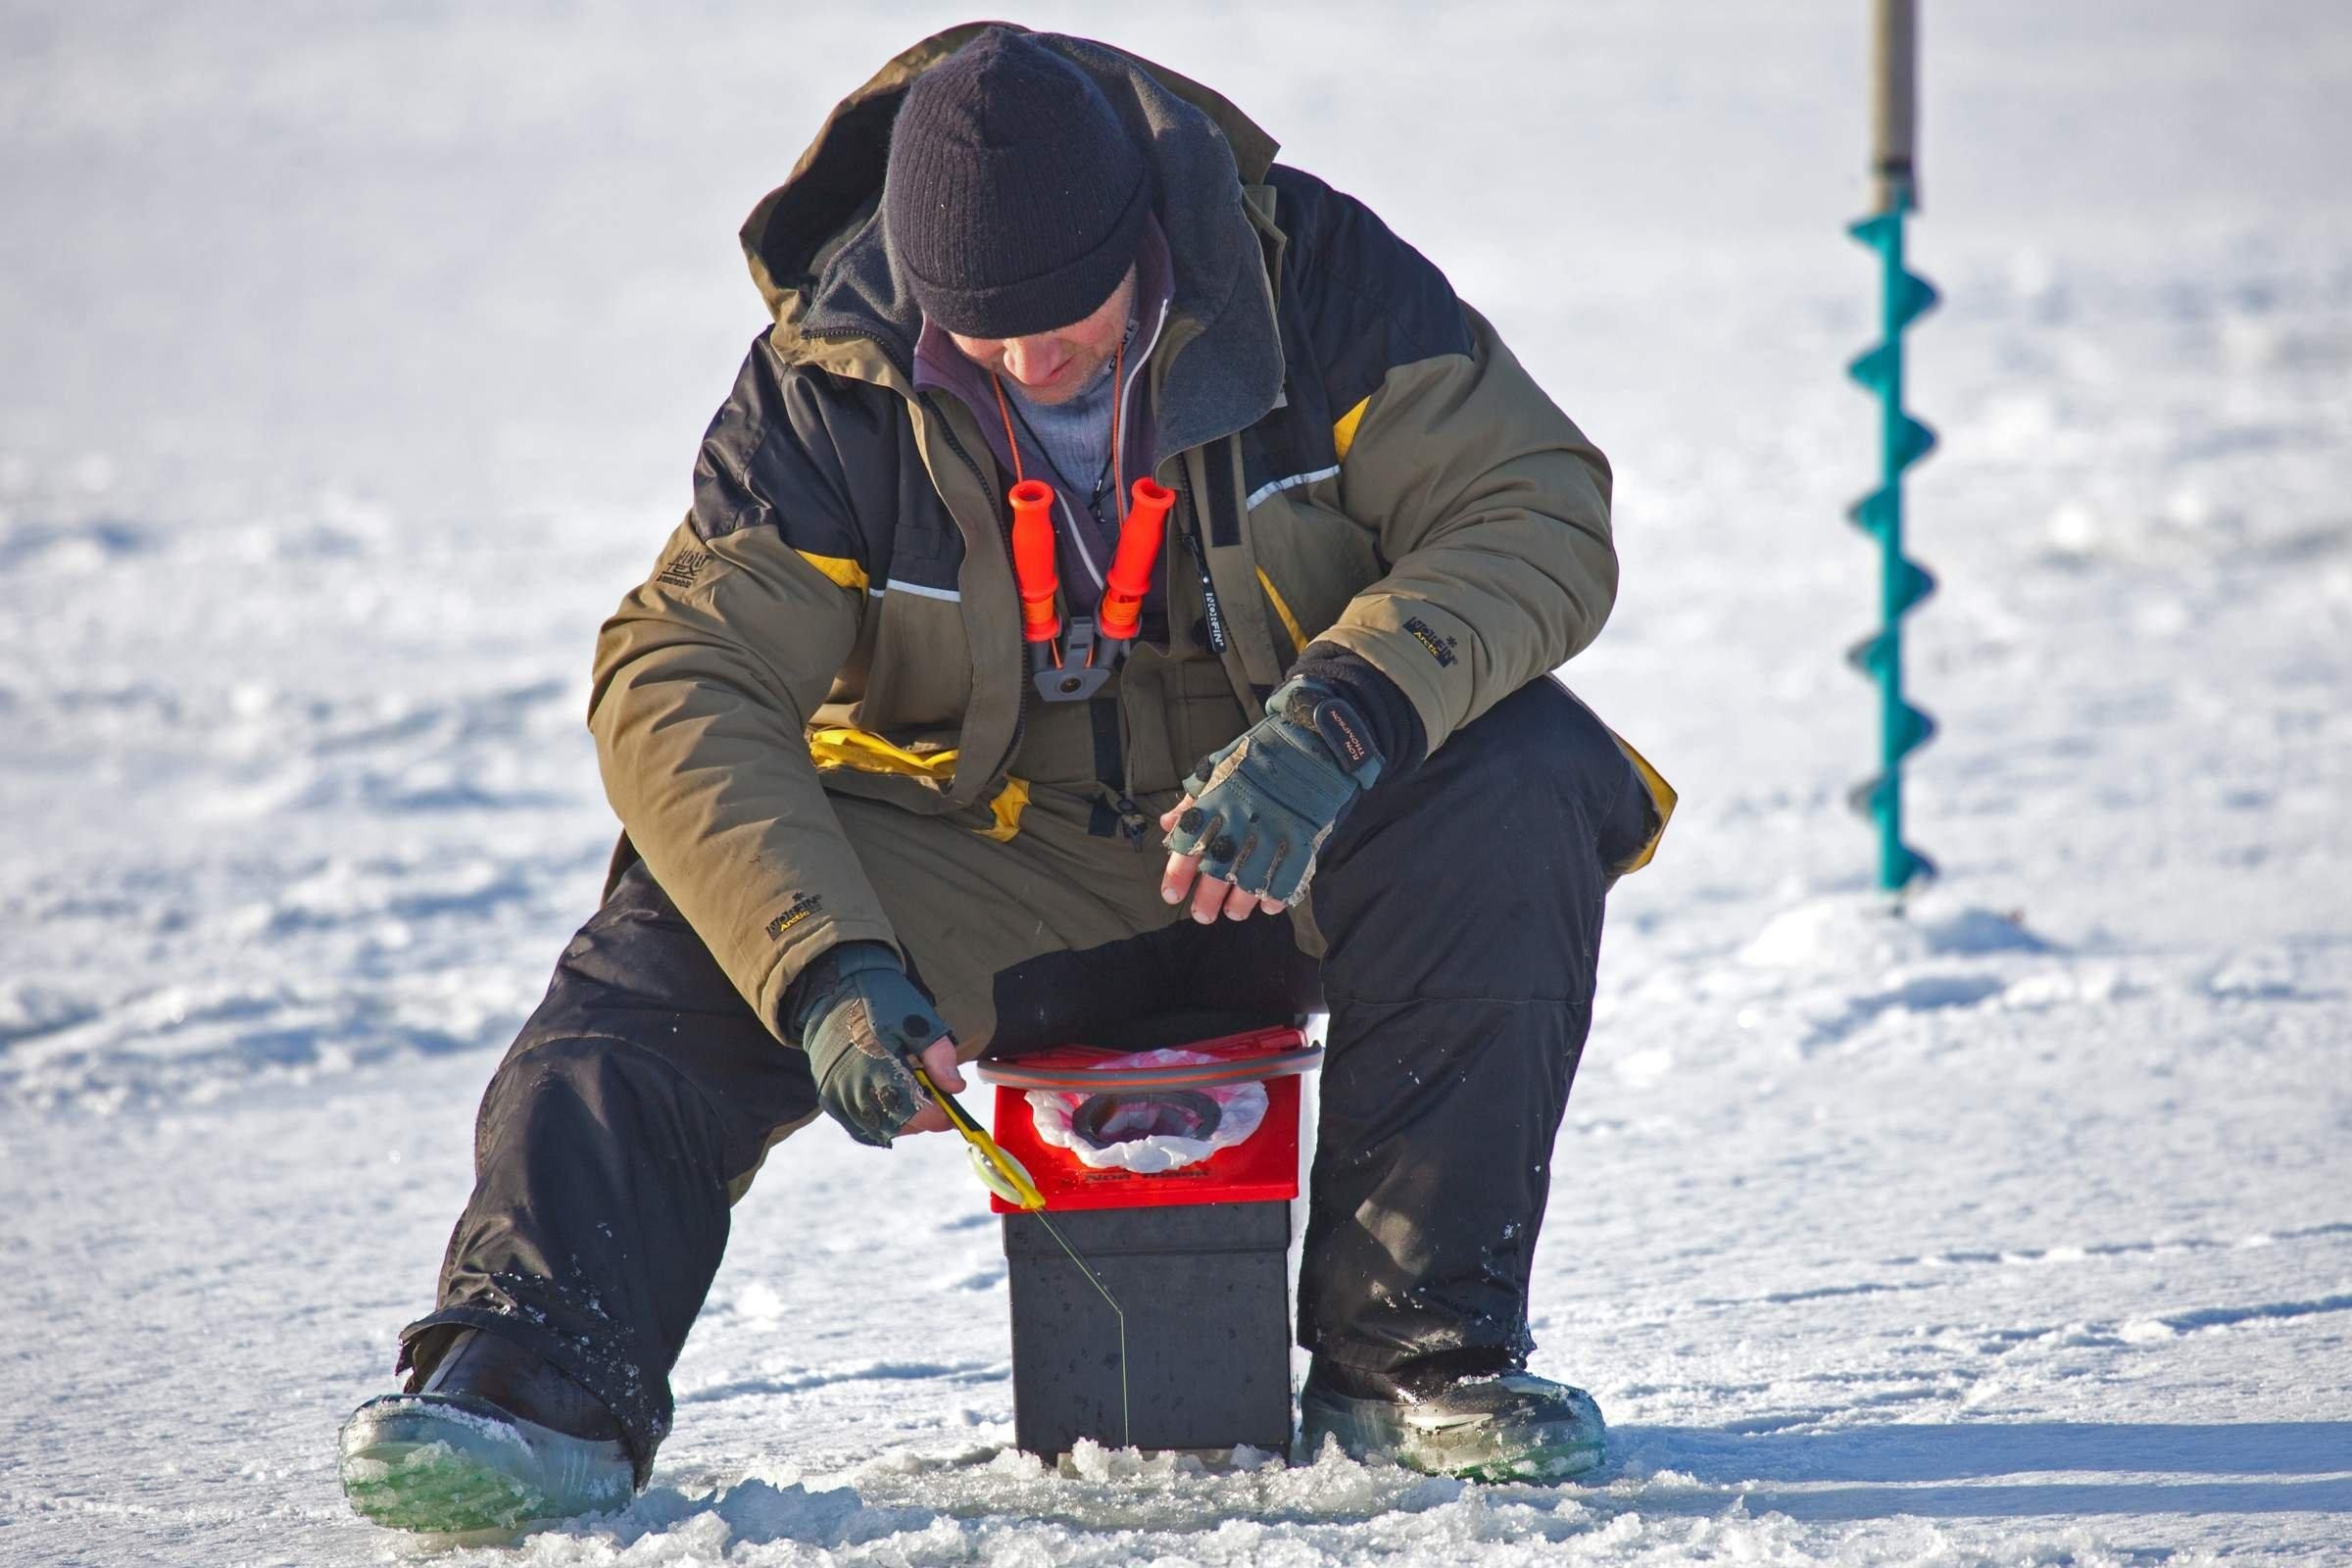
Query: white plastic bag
[1128, 1139]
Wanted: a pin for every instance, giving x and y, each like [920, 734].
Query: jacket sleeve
[704, 679]
[1488, 504]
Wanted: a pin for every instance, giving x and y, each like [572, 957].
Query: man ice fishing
[860, 831]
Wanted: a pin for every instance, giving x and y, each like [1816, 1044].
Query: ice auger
[1904, 296]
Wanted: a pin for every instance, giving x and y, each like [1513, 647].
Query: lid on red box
[1255, 1054]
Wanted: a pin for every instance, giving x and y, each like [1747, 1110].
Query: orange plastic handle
[1033, 559]
[1131, 564]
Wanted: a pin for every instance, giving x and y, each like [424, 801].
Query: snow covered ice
[351, 364]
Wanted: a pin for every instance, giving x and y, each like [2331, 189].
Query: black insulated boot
[1496, 1423]
[496, 1439]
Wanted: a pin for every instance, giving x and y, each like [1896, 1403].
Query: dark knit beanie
[1014, 198]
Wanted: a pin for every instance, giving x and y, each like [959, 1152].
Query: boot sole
[1471, 1449]
[1562, 1460]
[446, 1465]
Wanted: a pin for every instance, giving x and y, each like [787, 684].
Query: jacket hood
[822, 262]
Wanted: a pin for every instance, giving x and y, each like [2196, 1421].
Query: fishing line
[1006, 1176]
[1126, 1421]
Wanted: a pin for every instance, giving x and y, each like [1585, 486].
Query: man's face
[1054, 367]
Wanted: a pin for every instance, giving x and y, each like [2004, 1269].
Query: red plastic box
[1261, 1168]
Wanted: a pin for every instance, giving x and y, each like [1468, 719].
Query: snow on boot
[496, 1439]
[1492, 1425]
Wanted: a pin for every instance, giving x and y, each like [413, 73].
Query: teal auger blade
[1903, 440]
[1911, 729]
[1876, 513]
[1876, 368]
[1879, 231]
[1913, 582]
[1906, 869]
[1914, 297]
[1912, 441]
[1872, 656]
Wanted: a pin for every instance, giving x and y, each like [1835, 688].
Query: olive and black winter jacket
[1359, 461]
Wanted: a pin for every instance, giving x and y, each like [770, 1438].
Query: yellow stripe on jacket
[841, 568]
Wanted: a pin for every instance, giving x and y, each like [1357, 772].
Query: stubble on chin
[1066, 387]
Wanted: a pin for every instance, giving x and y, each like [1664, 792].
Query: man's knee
[1539, 732]
[1481, 872]
[575, 1086]
[1538, 774]
[640, 1036]
[641, 1108]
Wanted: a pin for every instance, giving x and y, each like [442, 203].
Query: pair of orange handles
[1123, 589]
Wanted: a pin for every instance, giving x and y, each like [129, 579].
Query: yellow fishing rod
[1006, 1176]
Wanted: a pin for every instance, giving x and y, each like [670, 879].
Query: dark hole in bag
[1102, 1120]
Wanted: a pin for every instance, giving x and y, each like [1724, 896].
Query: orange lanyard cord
[1012, 443]
[1118, 396]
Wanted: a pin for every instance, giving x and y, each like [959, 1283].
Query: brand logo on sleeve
[802, 907]
[680, 569]
[1439, 648]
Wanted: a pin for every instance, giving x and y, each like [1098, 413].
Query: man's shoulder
[1317, 218]
[1361, 298]
[779, 401]
[793, 435]
[790, 388]
[1327, 226]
